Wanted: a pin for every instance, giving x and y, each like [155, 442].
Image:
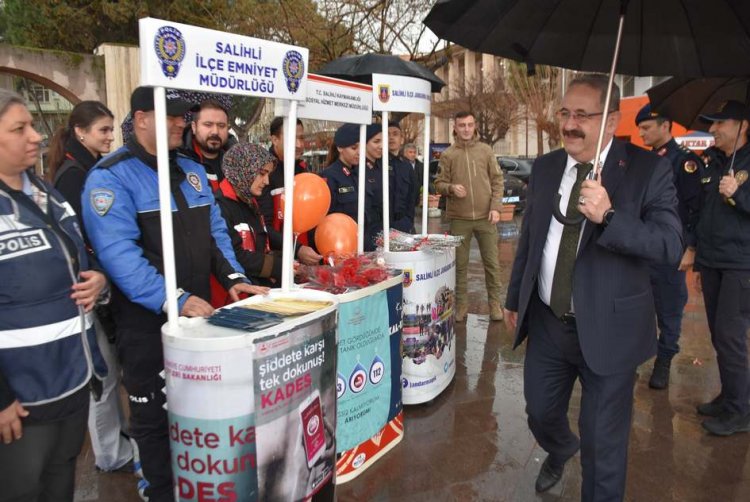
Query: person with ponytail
[74, 149]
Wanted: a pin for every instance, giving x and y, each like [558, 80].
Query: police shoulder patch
[690, 166]
[195, 181]
[102, 200]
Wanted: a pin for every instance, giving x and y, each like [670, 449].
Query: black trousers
[41, 465]
[142, 361]
[553, 363]
[726, 294]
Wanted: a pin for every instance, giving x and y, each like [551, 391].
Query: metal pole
[290, 130]
[361, 172]
[425, 172]
[165, 208]
[597, 161]
[386, 202]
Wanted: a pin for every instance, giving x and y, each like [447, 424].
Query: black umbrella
[660, 37]
[360, 69]
[684, 99]
[657, 37]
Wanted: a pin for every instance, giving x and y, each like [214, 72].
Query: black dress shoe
[713, 408]
[727, 423]
[549, 475]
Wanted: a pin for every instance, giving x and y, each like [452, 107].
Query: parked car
[514, 189]
[516, 166]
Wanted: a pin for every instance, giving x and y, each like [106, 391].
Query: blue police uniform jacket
[687, 169]
[120, 204]
[723, 229]
[48, 348]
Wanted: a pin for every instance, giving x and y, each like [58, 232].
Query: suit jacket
[612, 295]
[418, 172]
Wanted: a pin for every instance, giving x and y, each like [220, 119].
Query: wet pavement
[472, 442]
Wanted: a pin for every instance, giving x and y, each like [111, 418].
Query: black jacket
[276, 180]
[723, 229]
[256, 245]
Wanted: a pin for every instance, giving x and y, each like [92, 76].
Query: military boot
[660, 375]
[496, 311]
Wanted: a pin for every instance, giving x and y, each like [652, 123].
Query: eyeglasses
[580, 117]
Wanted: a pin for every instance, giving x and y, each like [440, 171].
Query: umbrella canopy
[683, 100]
[360, 69]
[661, 37]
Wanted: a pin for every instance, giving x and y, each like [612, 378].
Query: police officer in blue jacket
[120, 205]
[668, 281]
[48, 351]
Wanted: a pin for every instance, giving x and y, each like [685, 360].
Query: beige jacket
[473, 165]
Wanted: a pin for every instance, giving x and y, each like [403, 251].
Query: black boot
[713, 408]
[660, 375]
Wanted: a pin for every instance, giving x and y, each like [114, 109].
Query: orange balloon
[336, 235]
[312, 198]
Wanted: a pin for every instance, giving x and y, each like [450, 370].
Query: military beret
[647, 114]
[346, 135]
[372, 130]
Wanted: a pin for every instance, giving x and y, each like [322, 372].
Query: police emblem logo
[293, 68]
[384, 93]
[170, 49]
[102, 200]
[690, 166]
[741, 177]
[195, 181]
[408, 277]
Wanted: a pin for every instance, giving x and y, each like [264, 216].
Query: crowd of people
[83, 294]
[92, 321]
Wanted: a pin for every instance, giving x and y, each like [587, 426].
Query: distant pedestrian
[468, 175]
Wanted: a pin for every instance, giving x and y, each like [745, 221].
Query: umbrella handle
[573, 220]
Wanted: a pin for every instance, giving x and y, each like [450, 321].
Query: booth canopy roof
[360, 68]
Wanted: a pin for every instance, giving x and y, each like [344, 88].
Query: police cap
[142, 100]
[732, 109]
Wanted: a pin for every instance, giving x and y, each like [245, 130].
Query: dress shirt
[554, 234]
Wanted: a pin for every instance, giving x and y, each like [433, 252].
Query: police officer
[723, 260]
[342, 177]
[120, 205]
[402, 187]
[668, 281]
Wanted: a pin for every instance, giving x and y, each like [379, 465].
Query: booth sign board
[181, 56]
[332, 99]
[394, 93]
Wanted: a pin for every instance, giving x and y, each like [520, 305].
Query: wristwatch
[607, 218]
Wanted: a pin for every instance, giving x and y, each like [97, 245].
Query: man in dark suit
[580, 292]
[410, 154]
